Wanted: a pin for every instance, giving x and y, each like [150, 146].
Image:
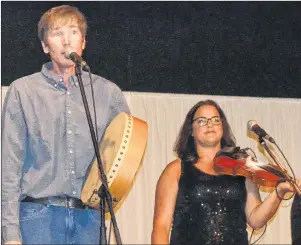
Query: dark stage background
[218, 48]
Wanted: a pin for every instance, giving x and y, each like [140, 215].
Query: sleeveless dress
[296, 220]
[209, 209]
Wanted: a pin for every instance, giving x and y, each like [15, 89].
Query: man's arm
[119, 103]
[13, 150]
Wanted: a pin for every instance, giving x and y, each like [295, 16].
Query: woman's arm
[259, 213]
[166, 195]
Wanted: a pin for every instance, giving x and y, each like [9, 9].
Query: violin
[237, 162]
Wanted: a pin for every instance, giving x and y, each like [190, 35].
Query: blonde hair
[60, 16]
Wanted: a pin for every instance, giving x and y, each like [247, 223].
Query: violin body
[235, 161]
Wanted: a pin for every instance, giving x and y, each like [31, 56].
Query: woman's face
[207, 128]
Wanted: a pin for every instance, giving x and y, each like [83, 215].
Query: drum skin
[121, 150]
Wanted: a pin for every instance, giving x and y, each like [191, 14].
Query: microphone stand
[287, 176]
[103, 192]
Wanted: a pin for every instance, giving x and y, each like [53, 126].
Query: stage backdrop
[236, 48]
[165, 113]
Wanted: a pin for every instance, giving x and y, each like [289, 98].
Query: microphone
[254, 127]
[77, 59]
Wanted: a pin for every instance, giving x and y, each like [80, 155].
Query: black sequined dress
[209, 209]
[296, 220]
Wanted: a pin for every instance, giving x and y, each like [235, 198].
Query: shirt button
[68, 92]
[72, 172]
[71, 151]
[69, 112]
[73, 192]
[69, 132]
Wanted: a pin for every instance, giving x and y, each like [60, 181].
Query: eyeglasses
[203, 121]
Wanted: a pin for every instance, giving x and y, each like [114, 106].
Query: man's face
[206, 132]
[61, 38]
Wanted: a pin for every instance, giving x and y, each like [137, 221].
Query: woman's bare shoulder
[173, 168]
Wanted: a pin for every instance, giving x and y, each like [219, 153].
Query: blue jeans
[41, 224]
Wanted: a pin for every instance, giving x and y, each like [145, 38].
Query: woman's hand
[285, 187]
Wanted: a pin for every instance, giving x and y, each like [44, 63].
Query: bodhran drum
[121, 151]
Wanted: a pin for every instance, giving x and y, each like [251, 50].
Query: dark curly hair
[185, 147]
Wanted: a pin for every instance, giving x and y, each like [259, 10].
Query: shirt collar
[57, 80]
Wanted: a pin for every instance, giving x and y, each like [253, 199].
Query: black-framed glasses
[203, 121]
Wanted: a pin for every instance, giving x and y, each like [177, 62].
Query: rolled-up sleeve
[13, 151]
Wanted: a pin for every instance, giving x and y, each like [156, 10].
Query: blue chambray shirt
[46, 141]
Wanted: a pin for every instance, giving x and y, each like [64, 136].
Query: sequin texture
[209, 209]
[296, 220]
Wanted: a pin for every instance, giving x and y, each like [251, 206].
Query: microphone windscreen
[68, 52]
[251, 123]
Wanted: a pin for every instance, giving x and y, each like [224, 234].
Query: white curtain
[165, 113]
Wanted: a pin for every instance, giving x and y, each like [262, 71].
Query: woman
[196, 204]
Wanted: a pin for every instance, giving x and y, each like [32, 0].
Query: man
[46, 142]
